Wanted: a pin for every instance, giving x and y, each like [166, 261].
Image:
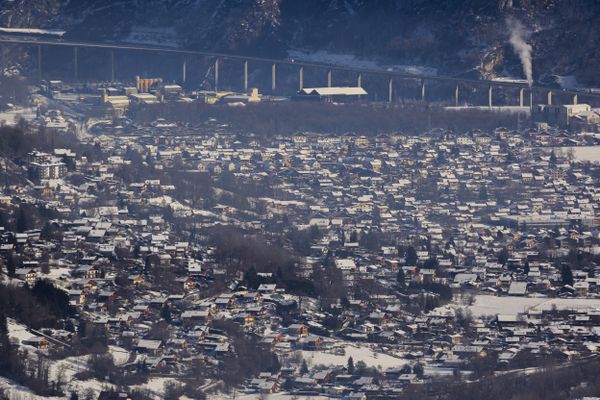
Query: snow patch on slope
[349, 60]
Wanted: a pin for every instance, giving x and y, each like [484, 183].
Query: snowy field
[584, 153]
[493, 305]
[363, 352]
[12, 116]
[256, 396]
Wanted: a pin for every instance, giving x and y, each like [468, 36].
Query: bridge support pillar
[273, 77]
[75, 66]
[112, 65]
[301, 78]
[359, 80]
[423, 92]
[456, 96]
[39, 55]
[491, 97]
[217, 75]
[522, 97]
[245, 75]
[329, 78]
[390, 90]
[549, 97]
[575, 99]
[531, 99]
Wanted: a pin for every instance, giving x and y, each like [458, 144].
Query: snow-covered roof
[335, 91]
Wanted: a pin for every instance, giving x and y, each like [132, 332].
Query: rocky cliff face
[467, 37]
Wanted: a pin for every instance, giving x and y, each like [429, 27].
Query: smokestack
[518, 41]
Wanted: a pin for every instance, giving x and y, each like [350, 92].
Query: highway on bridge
[41, 41]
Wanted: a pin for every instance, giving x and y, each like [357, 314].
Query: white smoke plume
[518, 41]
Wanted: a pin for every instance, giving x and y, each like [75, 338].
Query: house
[29, 275]
[37, 342]
[330, 93]
[113, 395]
[267, 288]
[517, 289]
[246, 319]
[152, 347]
[581, 288]
[298, 329]
[77, 296]
[191, 317]
[136, 279]
[189, 284]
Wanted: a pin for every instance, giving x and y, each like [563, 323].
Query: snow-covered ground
[505, 109]
[257, 396]
[166, 37]
[584, 153]
[18, 392]
[66, 369]
[56, 273]
[349, 60]
[494, 305]
[359, 352]
[18, 332]
[12, 116]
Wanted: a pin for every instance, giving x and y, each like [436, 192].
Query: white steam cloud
[518, 41]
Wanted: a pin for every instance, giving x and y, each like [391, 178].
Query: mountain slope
[454, 36]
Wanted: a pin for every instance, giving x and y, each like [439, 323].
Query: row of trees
[286, 118]
[249, 359]
[32, 372]
[563, 382]
[38, 307]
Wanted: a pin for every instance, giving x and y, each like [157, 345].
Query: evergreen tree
[21, 223]
[401, 278]
[148, 265]
[303, 368]
[82, 328]
[503, 256]
[553, 159]
[350, 366]
[11, 265]
[411, 256]
[567, 275]
[418, 370]
[165, 313]
[251, 278]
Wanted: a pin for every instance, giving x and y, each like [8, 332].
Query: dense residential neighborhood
[174, 258]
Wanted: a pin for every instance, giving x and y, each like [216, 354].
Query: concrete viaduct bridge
[525, 93]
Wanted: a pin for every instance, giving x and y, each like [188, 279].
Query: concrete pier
[75, 66]
[216, 75]
[245, 75]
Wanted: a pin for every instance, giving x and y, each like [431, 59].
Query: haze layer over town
[316, 199]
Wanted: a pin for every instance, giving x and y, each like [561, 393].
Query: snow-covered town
[164, 259]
